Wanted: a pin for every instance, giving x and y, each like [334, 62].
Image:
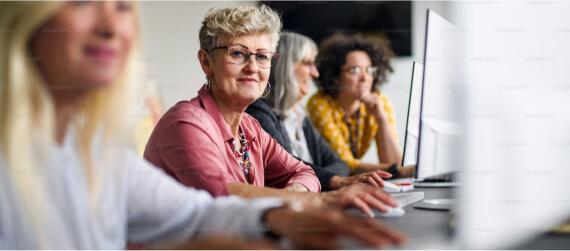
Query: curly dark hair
[332, 56]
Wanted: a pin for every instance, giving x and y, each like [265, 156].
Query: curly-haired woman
[348, 110]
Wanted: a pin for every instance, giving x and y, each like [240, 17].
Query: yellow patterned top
[328, 117]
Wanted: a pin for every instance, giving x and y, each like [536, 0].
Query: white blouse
[294, 126]
[137, 203]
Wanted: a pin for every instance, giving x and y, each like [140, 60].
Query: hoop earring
[269, 90]
[208, 83]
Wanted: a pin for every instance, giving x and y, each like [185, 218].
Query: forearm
[296, 187]
[369, 167]
[388, 150]
[250, 191]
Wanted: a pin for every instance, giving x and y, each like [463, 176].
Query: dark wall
[320, 19]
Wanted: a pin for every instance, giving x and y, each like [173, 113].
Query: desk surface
[427, 229]
[430, 229]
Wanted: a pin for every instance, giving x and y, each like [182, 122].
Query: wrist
[382, 119]
[335, 182]
[275, 217]
[394, 170]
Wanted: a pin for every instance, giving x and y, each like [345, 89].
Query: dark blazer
[326, 162]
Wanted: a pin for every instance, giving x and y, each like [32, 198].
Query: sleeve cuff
[258, 208]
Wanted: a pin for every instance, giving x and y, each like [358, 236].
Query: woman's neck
[65, 106]
[349, 104]
[294, 106]
[232, 114]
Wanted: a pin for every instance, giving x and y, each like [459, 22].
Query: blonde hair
[27, 116]
[220, 25]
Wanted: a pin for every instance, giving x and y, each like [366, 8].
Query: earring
[208, 83]
[269, 90]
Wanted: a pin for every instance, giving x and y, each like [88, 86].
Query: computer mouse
[392, 212]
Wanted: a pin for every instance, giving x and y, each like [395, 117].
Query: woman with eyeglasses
[281, 115]
[348, 110]
[68, 177]
[210, 142]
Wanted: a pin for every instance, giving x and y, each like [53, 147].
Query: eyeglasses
[357, 70]
[308, 63]
[239, 55]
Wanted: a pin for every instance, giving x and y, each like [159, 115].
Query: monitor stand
[437, 204]
[449, 180]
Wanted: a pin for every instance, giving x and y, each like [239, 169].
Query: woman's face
[356, 85]
[240, 84]
[85, 45]
[305, 71]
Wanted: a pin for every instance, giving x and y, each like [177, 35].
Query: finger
[375, 202]
[371, 181]
[383, 174]
[362, 230]
[385, 197]
[377, 178]
[358, 203]
[388, 235]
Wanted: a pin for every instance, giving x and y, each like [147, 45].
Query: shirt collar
[211, 107]
[300, 112]
[362, 108]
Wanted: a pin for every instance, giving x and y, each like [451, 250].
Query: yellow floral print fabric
[329, 119]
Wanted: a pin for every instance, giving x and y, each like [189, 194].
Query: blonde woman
[67, 182]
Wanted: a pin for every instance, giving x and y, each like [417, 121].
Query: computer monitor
[410, 155]
[441, 117]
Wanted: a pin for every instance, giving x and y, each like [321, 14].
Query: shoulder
[261, 110]
[186, 112]
[251, 123]
[184, 122]
[320, 103]
[319, 98]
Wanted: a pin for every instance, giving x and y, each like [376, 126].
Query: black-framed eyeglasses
[358, 70]
[237, 54]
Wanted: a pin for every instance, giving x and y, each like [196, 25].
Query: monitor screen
[413, 120]
[441, 123]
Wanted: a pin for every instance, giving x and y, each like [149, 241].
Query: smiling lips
[100, 54]
[248, 80]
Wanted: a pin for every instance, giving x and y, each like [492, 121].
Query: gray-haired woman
[281, 115]
[210, 143]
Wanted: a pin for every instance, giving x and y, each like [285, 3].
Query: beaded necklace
[243, 156]
[353, 140]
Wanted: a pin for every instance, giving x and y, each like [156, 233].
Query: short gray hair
[220, 25]
[293, 47]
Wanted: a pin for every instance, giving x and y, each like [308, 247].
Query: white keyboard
[408, 198]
